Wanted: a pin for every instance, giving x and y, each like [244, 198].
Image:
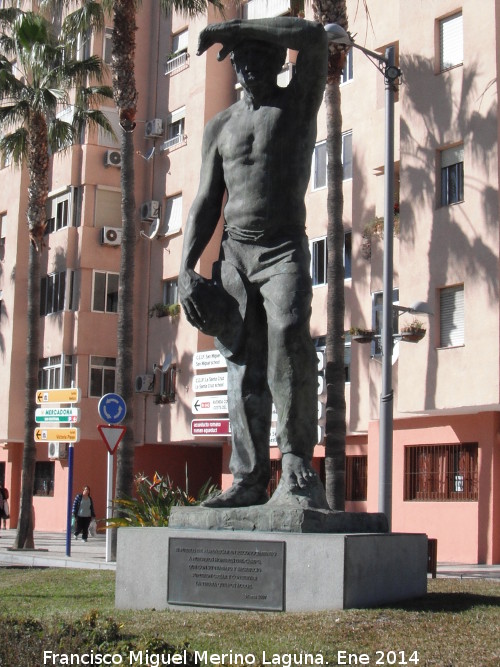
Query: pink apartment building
[446, 453]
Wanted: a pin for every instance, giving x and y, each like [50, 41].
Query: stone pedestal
[201, 569]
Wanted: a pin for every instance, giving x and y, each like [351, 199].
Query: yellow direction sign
[57, 435]
[71, 395]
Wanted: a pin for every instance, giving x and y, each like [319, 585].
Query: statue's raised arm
[307, 37]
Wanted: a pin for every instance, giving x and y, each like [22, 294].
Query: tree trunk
[125, 94]
[124, 366]
[335, 430]
[334, 11]
[38, 168]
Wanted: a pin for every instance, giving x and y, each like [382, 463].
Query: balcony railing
[176, 62]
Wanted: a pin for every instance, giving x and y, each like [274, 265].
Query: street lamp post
[386, 64]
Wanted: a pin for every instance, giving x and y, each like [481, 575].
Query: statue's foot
[238, 495]
[299, 486]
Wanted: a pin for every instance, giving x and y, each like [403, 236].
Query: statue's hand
[199, 299]
[219, 33]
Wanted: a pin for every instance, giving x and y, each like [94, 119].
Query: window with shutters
[441, 472]
[173, 215]
[452, 175]
[451, 42]
[451, 316]
[175, 129]
[178, 57]
[108, 211]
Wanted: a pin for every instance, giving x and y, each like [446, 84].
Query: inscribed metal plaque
[232, 574]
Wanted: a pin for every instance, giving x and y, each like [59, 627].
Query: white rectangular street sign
[208, 359]
[57, 415]
[207, 405]
[210, 382]
[57, 434]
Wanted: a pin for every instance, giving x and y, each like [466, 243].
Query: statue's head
[256, 62]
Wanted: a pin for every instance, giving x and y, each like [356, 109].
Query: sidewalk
[50, 551]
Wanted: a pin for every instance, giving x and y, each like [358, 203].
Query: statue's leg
[293, 379]
[250, 404]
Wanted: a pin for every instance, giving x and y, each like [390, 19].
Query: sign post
[56, 416]
[112, 408]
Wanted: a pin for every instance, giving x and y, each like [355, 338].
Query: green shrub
[153, 502]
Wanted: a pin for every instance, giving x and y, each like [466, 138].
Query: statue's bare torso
[265, 173]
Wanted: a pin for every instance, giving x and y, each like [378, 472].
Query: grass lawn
[456, 625]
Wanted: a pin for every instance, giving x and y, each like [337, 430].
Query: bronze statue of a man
[257, 153]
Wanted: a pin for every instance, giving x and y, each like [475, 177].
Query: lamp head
[338, 35]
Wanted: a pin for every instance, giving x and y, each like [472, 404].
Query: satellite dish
[167, 363]
[149, 154]
[153, 230]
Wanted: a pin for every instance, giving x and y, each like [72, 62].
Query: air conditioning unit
[111, 236]
[58, 450]
[144, 383]
[154, 128]
[112, 159]
[150, 210]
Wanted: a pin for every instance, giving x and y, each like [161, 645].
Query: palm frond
[14, 146]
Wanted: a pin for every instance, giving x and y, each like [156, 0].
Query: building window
[102, 376]
[44, 478]
[347, 255]
[319, 166]
[377, 315]
[59, 214]
[2, 236]
[56, 293]
[170, 292]
[175, 128]
[318, 261]
[173, 215]
[451, 316]
[108, 46]
[356, 478]
[451, 40]
[347, 357]
[452, 175]
[441, 472]
[347, 155]
[105, 292]
[56, 372]
[168, 385]
[179, 56]
[347, 72]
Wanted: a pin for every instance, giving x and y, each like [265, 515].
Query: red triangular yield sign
[111, 435]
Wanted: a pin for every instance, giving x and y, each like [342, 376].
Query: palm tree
[40, 77]
[125, 95]
[334, 11]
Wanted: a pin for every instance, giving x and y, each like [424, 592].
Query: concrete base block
[312, 572]
[274, 518]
